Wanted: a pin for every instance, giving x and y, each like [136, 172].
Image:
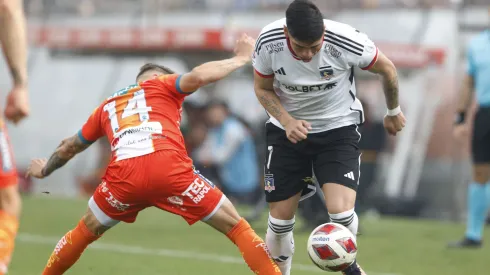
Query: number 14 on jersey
[135, 106]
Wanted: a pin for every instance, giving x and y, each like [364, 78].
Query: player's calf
[71, 246]
[253, 249]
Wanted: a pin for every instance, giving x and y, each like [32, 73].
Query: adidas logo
[350, 175]
[281, 71]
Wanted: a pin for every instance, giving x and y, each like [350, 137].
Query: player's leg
[110, 204]
[479, 189]
[338, 170]
[179, 189]
[10, 201]
[287, 172]
[253, 249]
[71, 246]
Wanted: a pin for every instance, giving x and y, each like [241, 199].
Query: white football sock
[348, 219]
[280, 241]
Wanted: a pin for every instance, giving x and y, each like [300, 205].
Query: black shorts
[333, 156]
[480, 145]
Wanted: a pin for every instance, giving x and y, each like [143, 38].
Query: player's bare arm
[296, 130]
[41, 168]
[394, 120]
[213, 71]
[14, 44]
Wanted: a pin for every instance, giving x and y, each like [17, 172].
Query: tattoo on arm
[66, 151]
[271, 105]
[390, 86]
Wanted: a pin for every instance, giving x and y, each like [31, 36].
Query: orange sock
[69, 249]
[8, 230]
[254, 250]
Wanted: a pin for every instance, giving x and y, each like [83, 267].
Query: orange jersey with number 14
[140, 119]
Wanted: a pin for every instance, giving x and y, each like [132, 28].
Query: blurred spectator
[230, 149]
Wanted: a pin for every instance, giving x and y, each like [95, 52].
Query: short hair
[153, 67]
[304, 21]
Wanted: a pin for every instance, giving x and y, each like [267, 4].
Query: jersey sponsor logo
[312, 88]
[269, 183]
[326, 72]
[176, 200]
[197, 190]
[332, 51]
[275, 47]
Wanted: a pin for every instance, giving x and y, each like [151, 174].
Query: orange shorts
[164, 179]
[8, 173]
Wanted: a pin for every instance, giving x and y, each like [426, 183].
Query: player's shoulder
[272, 38]
[335, 30]
[275, 26]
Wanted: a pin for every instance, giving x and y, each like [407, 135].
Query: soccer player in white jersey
[304, 78]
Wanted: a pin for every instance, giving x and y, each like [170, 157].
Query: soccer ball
[332, 247]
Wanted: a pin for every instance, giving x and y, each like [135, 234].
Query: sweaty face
[305, 51]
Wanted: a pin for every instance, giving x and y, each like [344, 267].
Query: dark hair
[304, 21]
[153, 67]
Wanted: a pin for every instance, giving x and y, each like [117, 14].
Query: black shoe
[353, 269]
[465, 243]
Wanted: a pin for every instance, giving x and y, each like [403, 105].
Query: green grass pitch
[161, 243]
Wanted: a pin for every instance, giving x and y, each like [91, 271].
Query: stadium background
[83, 50]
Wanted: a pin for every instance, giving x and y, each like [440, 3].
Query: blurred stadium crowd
[94, 7]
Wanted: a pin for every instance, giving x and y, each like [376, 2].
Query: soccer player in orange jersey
[150, 165]
[14, 45]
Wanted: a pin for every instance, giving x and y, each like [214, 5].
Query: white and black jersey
[321, 91]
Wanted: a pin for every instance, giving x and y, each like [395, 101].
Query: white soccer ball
[332, 247]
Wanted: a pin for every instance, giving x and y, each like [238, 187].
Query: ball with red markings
[332, 247]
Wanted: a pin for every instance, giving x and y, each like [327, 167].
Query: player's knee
[225, 218]
[10, 201]
[94, 225]
[339, 198]
[481, 173]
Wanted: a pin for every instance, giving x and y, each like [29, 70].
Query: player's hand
[394, 124]
[36, 167]
[244, 46]
[17, 105]
[460, 131]
[297, 130]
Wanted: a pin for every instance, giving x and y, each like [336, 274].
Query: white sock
[348, 219]
[280, 241]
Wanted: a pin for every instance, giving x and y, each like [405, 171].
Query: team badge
[269, 183]
[326, 72]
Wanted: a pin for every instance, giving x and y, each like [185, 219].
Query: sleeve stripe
[177, 86]
[264, 75]
[344, 38]
[343, 46]
[84, 140]
[277, 37]
[265, 36]
[372, 62]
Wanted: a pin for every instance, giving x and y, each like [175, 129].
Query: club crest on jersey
[269, 183]
[326, 72]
